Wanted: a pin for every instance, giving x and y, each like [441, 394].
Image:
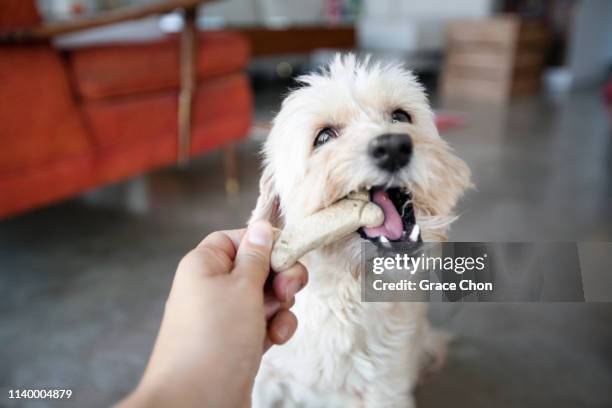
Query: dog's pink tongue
[392, 228]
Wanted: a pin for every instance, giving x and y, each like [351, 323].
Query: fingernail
[282, 332]
[292, 288]
[260, 233]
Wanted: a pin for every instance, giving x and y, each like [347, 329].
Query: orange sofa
[74, 120]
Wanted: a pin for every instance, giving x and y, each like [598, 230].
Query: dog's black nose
[391, 151]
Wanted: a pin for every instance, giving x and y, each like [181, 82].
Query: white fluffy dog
[353, 126]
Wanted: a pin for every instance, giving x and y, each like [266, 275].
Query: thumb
[253, 257]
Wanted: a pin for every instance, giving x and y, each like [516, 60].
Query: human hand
[219, 321]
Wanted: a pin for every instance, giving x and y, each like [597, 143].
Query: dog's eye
[324, 136]
[400, 115]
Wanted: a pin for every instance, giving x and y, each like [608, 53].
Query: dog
[352, 126]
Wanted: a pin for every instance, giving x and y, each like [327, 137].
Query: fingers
[273, 305]
[214, 255]
[204, 261]
[280, 329]
[234, 236]
[253, 257]
[219, 241]
[287, 283]
[284, 288]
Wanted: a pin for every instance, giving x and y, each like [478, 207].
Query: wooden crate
[492, 60]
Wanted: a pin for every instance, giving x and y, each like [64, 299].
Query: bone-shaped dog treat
[324, 227]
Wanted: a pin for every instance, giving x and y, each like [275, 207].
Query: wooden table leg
[230, 163]
[189, 46]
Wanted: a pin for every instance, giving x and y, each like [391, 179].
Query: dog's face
[361, 126]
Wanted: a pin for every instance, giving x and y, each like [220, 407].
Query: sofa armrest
[46, 31]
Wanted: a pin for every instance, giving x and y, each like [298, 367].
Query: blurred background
[130, 129]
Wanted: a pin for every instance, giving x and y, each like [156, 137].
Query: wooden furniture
[292, 40]
[82, 118]
[44, 32]
[493, 60]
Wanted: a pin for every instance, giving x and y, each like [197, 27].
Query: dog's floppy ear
[267, 207]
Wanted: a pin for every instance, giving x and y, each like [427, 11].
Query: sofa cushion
[18, 14]
[117, 122]
[39, 121]
[116, 70]
[146, 138]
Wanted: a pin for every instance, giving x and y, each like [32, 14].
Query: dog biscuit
[324, 227]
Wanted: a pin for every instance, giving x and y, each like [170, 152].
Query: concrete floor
[82, 283]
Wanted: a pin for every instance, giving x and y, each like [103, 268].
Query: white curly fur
[345, 352]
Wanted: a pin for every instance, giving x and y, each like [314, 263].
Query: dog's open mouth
[400, 223]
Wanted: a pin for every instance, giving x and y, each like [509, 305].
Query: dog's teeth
[406, 204]
[384, 241]
[414, 235]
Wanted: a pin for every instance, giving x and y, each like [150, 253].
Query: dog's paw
[435, 351]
